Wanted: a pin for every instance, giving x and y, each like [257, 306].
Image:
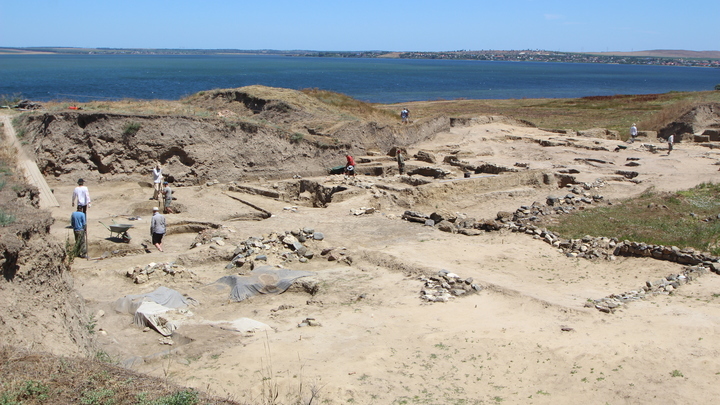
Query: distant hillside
[665, 53]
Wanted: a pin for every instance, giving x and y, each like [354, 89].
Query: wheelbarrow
[120, 231]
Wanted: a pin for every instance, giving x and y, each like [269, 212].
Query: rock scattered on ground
[446, 285]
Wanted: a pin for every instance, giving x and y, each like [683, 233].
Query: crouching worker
[349, 166]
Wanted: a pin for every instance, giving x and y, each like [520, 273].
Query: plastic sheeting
[262, 280]
[148, 309]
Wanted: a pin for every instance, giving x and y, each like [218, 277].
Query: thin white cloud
[553, 16]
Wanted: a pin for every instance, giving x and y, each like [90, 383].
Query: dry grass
[131, 106]
[684, 219]
[38, 378]
[667, 114]
[352, 106]
[650, 111]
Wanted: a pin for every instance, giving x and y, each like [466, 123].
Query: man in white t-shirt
[81, 196]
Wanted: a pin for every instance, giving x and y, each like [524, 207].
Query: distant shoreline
[652, 57]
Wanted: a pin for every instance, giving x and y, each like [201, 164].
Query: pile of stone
[288, 246]
[362, 211]
[446, 285]
[27, 105]
[309, 322]
[209, 236]
[663, 286]
[337, 254]
[142, 274]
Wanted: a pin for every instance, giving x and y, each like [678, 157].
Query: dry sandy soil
[378, 342]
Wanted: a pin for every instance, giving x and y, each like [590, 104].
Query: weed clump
[131, 128]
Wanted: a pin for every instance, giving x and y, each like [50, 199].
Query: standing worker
[400, 160]
[81, 195]
[671, 141]
[405, 115]
[168, 194]
[157, 228]
[633, 133]
[157, 181]
[79, 225]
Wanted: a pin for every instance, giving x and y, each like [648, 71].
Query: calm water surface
[97, 77]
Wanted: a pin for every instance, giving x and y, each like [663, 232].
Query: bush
[296, 137]
[6, 219]
[131, 128]
[717, 87]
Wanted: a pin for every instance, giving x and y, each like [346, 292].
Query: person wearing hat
[157, 228]
[81, 195]
[633, 133]
[167, 192]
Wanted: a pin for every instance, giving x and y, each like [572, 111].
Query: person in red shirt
[350, 166]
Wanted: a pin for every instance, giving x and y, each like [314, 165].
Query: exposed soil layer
[39, 307]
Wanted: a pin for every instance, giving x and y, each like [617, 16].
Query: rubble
[446, 285]
[663, 286]
[285, 247]
[142, 274]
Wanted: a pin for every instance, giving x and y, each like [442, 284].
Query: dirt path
[28, 166]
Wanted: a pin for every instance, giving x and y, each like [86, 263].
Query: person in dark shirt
[78, 221]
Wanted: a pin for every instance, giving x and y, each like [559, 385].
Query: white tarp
[152, 309]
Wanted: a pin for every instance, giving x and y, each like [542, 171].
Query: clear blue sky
[420, 25]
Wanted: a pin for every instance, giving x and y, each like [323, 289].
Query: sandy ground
[378, 342]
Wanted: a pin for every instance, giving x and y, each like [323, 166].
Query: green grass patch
[19, 129]
[684, 219]
[131, 128]
[6, 219]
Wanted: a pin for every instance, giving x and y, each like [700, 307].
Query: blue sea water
[98, 77]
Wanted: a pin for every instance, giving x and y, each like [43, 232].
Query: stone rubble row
[663, 286]
[518, 221]
[587, 247]
[446, 285]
